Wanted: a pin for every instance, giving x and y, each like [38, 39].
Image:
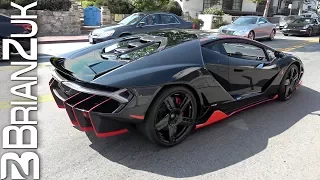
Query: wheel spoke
[163, 123]
[288, 88]
[172, 132]
[185, 102]
[169, 103]
[185, 121]
[287, 82]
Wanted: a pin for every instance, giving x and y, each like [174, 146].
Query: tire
[289, 83]
[251, 35]
[162, 121]
[310, 32]
[272, 35]
[286, 34]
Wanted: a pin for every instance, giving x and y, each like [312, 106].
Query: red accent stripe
[300, 83]
[137, 117]
[107, 134]
[82, 128]
[74, 122]
[219, 115]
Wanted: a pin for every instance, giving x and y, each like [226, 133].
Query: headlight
[107, 33]
[306, 26]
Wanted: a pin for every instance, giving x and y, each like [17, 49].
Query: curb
[63, 41]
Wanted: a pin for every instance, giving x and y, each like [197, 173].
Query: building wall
[193, 7]
[249, 6]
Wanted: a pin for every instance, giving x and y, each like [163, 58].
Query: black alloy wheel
[171, 117]
[289, 83]
[272, 35]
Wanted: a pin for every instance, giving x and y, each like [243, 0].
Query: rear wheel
[272, 35]
[124, 35]
[286, 34]
[171, 117]
[289, 83]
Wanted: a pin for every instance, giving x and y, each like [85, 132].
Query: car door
[250, 68]
[263, 28]
[148, 24]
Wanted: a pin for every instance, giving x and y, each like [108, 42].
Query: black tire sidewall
[148, 127]
[281, 94]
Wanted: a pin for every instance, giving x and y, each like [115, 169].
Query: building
[246, 7]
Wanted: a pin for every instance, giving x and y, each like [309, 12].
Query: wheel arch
[198, 97]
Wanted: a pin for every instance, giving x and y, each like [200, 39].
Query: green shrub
[220, 23]
[119, 6]
[87, 3]
[54, 5]
[213, 11]
[173, 7]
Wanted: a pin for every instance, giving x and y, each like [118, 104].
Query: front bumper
[106, 114]
[295, 31]
[235, 33]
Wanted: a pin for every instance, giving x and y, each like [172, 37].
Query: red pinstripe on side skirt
[219, 115]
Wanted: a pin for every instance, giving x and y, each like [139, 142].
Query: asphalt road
[276, 140]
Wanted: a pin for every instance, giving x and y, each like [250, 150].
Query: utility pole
[266, 9]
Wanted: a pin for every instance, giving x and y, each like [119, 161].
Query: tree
[266, 9]
[149, 5]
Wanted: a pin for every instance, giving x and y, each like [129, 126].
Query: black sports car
[167, 83]
[302, 26]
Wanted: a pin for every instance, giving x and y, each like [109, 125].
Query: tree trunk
[266, 9]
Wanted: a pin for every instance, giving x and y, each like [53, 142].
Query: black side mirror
[278, 54]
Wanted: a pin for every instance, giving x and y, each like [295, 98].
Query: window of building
[210, 3]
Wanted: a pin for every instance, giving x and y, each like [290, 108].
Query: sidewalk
[62, 39]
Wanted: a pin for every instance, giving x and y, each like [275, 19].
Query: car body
[158, 81]
[139, 23]
[302, 26]
[286, 20]
[253, 27]
[8, 28]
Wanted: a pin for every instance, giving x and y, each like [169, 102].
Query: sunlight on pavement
[41, 99]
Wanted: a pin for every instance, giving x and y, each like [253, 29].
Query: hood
[97, 32]
[237, 27]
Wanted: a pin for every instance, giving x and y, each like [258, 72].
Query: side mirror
[141, 24]
[278, 54]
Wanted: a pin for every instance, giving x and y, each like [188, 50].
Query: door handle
[238, 70]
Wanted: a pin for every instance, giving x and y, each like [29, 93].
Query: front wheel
[310, 32]
[171, 117]
[289, 83]
[272, 35]
[251, 35]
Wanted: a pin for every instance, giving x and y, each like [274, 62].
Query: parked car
[139, 23]
[286, 20]
[302, 26]
[165, 84]
[252, 27]
[7, 28]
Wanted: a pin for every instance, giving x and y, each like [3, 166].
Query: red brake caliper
[178, 101]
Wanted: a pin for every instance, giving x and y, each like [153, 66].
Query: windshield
[303, 20]
[289, 18]
[132, 19]
[245, 20]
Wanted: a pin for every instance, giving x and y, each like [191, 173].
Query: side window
[168, 19]
[152, 19]
[263, 20]
[214, 53]
[245, 51]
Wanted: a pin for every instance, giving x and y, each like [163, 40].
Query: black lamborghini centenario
[169, 82]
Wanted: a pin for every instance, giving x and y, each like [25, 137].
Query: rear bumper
[105, 115]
